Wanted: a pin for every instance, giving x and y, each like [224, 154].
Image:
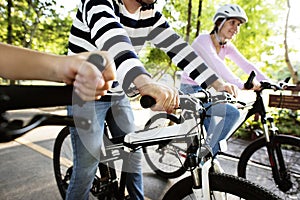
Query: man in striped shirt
[122, 27]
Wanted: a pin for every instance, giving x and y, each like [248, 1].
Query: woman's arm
[235, 55]
[205, 48]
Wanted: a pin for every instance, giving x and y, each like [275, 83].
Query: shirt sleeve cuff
[129, 78]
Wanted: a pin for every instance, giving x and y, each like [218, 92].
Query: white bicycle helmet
[231, 11]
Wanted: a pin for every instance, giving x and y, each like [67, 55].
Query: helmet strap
[219, 39]
[222, 24]
[217, 33]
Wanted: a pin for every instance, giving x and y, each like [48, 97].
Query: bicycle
[106, 185]
[112, 186]
[276, 154]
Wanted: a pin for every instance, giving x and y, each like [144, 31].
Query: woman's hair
[217, 24]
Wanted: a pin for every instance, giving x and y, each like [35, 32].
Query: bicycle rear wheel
[166, 160]
[222, 186]
[254, 165]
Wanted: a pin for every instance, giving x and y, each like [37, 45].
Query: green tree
[34, 24]
[292, 70]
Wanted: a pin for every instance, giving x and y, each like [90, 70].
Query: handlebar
[269, 85]
[23, 97]
[204, 96]
[264, 84]
[148, 101]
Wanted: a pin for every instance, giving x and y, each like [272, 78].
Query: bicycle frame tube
[257, 107]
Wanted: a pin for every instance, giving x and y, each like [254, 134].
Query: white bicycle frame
[176, 131]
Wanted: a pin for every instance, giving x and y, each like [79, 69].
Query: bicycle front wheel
[255, 166]
[222, 186]
[166, 160]
[63, 161]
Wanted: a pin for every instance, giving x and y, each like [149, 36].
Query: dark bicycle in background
[273, 154]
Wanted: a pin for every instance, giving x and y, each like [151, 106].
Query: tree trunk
[9, 22]
[198, 18]
[292, 70]
[30, 30]
[188, 27]
[9, 29]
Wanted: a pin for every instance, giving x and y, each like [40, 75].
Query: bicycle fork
[200, 175]
[280, 175]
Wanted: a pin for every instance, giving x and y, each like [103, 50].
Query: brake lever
[268, 85]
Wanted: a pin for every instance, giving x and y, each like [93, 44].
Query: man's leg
[86, 149]
[120, 121]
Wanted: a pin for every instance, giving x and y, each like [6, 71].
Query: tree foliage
[35, 24]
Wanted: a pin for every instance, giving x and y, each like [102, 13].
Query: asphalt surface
[26, 171]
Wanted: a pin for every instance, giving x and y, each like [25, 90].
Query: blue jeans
[221, 120]
[88, 143]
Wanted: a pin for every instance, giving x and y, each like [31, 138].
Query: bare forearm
[21, 63]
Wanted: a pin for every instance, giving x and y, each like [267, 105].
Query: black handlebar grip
[98, 61]
[147, 101]
[286, 80]
[248, 85]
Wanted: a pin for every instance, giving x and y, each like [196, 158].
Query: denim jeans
[222, 117]
[88, 143]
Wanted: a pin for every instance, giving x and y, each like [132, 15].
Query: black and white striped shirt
[107, 25]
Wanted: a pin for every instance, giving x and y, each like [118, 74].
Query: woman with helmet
[213, 48]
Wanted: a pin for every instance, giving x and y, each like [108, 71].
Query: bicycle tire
[254, 161]
[234, 188]
[162, 158]
[63, 162]
[62, 179]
